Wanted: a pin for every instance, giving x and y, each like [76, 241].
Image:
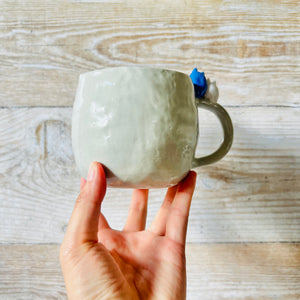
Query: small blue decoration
[199, 82]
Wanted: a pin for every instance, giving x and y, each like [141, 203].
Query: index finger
[83, 225]
[179, 212]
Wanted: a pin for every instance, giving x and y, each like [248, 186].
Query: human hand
[101, 263]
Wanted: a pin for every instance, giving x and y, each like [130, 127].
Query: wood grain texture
[252, 195]
[31, 272]
[256, 271]
[252, 48]
[253, 271]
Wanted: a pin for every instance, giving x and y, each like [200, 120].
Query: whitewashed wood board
[251, 48]
[251, 195]
[236, 271]
[214, 272]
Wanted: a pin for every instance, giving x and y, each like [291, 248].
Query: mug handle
[226, 123]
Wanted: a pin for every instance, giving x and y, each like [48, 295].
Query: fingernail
[195, 173]
[92, 172]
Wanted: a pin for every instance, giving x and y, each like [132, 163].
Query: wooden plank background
[244, 229]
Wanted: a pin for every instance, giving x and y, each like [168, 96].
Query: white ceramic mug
[142, 125]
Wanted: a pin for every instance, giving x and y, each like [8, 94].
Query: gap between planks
[188, 243]
[228, 105]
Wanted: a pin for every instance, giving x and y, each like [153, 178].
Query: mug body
[140, 123]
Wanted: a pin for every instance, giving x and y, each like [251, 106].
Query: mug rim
[132, 67]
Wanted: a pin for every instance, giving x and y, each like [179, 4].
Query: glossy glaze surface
[141, 123]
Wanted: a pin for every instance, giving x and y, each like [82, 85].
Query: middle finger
[137, 215]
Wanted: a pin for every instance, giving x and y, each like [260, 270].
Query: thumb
[83, 225]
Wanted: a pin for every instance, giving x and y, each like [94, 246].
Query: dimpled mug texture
[140, 123]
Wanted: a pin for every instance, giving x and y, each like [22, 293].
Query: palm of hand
[142, 265]
[134, 263]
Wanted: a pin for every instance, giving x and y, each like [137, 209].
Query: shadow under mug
[141, 124]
